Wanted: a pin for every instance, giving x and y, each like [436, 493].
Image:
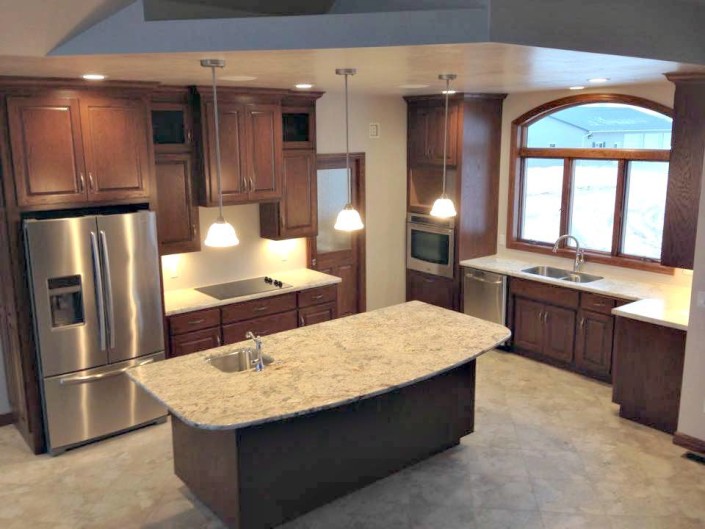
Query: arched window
[594, 166]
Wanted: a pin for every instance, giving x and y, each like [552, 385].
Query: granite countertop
[654, 303]
[321, 366]
[189, 299]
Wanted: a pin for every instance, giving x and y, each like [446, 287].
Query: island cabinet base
[261, 476]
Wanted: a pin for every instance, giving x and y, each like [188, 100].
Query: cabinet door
[192, 342]
[172, 127]
[299, 205]
[593, 343]
[235, 332]
[528, 325]
[434, 135]
[177, 214]
[418, 129]
[318, 314]
[263, 151]
[431, 289]
[117, 146]
[232, 128]
[47, 150]
[559, 333]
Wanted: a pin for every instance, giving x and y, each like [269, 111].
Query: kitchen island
[346, 402]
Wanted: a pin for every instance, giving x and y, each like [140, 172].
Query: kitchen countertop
[321, 366]
[189, 299]
[653, 303]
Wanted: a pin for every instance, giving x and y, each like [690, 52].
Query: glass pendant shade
[443, 208]
[348, 219]
[221, 234]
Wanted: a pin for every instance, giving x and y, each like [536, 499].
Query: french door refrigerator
[97, 311]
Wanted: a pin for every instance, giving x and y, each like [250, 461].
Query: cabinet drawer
[597, 303]
[235, 332]
[258, 307]
[192, 342]
[193, 321]
[316, 296]
[565, 297]
[318, 314]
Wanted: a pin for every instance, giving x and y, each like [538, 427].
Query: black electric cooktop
[246, 287]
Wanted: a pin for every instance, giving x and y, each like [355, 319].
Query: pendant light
[221, 234]
[348, 218]
[443, 207]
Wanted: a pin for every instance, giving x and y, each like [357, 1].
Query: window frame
[519, 153]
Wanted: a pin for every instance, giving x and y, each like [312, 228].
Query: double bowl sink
[561, 274]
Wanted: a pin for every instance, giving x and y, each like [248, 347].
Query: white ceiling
[485, 67]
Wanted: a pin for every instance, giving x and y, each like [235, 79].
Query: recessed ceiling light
[93, 77]
[413, 86]
[576, 88]
[449, 92]
[238, 78]
[304, 86]
[598, 80]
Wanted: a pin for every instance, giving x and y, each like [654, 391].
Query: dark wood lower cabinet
[436, 290]
[236, 332]
[317, 314]
[559, 333]
[528, 325]
[192, 342]
[648, 373]
[593, 344]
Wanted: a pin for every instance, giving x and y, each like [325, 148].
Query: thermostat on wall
[374, 130]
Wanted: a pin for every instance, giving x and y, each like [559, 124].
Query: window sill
[593, 257]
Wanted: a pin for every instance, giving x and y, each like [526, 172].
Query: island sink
[563, 275]
[237, 361]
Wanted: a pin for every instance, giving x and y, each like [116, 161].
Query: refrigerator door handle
[99, 290]
[108, 289]
[100, 376]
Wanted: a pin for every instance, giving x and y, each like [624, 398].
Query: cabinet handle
[193, 230]
[582, 322]
[429, 280]
[196, 322]
[545, 317]
[260, 309]
[81, 183]
[540, 315]
[91, 184]
[316, 298]
[217, 340]
[301, 321]
[189, 136]
[252, 185]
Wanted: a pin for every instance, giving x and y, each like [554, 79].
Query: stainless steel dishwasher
[485, 295]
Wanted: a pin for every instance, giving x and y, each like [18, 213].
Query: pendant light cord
[217, 146]
[445, 138]
[347, 144]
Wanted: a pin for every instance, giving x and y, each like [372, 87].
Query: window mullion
[565, 198]
[619, 202]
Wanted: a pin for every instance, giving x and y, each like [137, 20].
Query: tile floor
[549, 452]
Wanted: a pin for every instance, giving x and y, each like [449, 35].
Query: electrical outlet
[374, 131]
[701, 299]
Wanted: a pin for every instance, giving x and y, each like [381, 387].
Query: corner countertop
[653, 303]
[189, 299]
[321, 366]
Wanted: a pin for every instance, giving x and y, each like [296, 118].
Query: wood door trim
[688, 442]
[332, 161]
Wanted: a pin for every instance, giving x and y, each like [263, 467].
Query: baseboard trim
[689, 443]
[6, 418]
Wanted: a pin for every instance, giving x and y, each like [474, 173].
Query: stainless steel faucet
[579, 252]
[258, 361]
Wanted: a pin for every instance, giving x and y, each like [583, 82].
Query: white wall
[517, 104]
[691, 420]
[385, 175]
[385, 179]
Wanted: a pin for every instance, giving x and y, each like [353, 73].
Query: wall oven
[430, 244]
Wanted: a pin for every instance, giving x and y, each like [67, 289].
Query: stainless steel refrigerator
[97, 310]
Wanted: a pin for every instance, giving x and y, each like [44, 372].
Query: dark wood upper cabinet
[117, 145]
[296, 215]
[172, 127]
[299, 127]
[83, 149]
[425, 126]
[685, 171]
[263, 151]
[177, 212]
[47, 150]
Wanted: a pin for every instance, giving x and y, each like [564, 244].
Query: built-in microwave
[430, 244]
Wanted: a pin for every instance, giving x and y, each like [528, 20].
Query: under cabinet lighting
[576, 88]
[598, 80]
[93, 77]
[304, 86]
